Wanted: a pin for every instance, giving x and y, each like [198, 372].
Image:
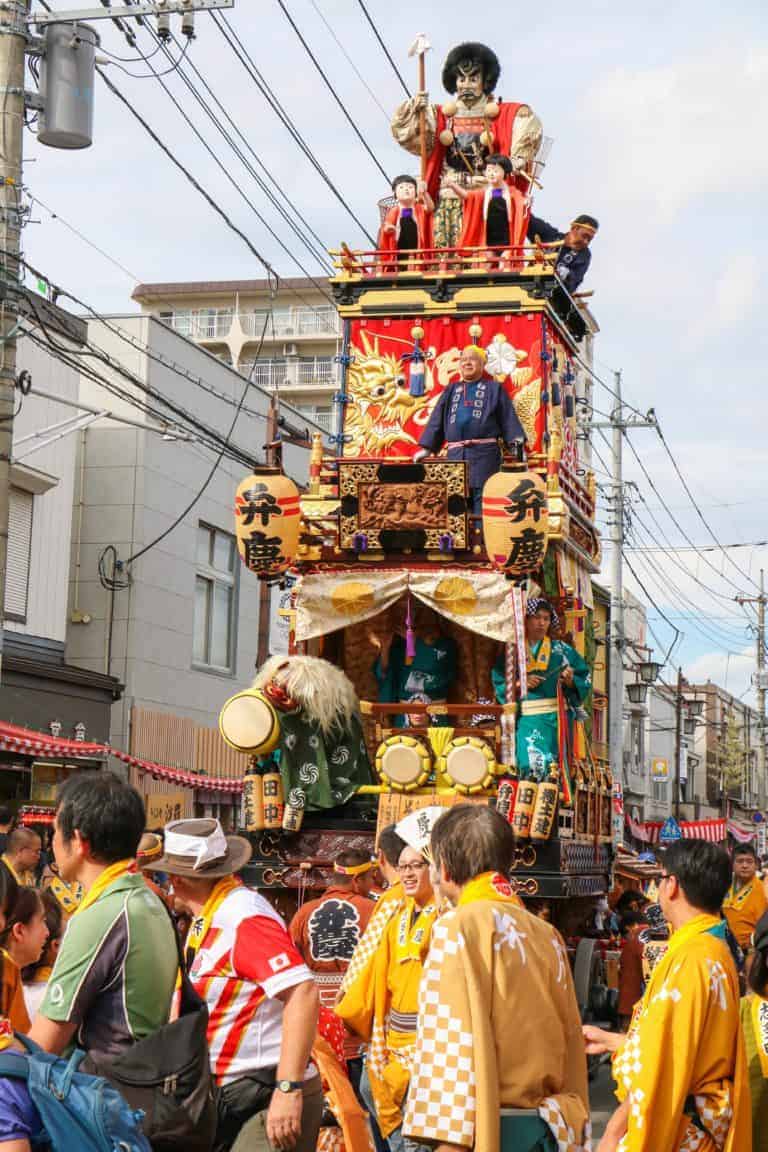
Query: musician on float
[462, 133]
[471, 416]
[573, 254]
[558, 681]
[415, 662]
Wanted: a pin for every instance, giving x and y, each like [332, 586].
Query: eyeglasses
[404, 869]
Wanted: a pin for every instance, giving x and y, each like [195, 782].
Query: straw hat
[198, 849]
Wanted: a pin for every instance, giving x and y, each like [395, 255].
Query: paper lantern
[515, 520]
[267, 514]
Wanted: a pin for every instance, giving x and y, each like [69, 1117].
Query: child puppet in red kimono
[408, 224]
[495, 216]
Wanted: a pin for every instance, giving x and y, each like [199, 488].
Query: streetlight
[648, 671]
[637, 693]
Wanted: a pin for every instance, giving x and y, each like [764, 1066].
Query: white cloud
[733, 292]
[732, 672]
[666, 136]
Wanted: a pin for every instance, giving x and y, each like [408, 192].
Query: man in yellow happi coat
[746, 901]
[380, 1001]
[499, 1026]
[681, 1068]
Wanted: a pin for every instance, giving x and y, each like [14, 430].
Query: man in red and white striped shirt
[262, 999]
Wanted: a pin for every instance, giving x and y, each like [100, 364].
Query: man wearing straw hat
[262, 1000]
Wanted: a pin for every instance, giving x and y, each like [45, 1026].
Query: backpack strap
[14, 1065]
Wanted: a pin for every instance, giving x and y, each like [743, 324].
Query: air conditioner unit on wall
[290, 350]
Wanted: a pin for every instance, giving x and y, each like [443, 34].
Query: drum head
[468, 762]
[249, 723]
[403, 761]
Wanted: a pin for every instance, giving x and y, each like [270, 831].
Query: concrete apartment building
[301, 334]
[179, 628]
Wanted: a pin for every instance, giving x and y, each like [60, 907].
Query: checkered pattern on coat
[441, 1097]
[369, 942]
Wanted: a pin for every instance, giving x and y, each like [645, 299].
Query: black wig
[476, 54]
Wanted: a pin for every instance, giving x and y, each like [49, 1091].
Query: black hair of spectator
[391, 845]
[703, 871]
[629, 897]
[469, 839]
[28, 902]
[745, 850]
[6, 816]
[108, 813]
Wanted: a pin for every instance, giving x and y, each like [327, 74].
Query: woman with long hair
[754, 1019]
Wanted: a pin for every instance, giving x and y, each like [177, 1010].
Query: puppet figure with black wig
[463, 132]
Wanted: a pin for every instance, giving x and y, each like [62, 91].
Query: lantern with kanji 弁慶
[515, 519]
[267, 515]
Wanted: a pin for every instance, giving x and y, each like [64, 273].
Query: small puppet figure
[407, 225]
[495, 217]
[572, 247]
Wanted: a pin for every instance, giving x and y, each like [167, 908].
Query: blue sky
[657, 112]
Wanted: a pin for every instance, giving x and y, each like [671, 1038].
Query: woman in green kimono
[550, 664]
[424, 674]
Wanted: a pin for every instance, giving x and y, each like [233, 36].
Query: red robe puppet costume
[389, 237]
[476, 204]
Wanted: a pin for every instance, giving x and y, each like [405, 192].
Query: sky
[657, 113]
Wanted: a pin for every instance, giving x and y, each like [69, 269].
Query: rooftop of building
[145, 293]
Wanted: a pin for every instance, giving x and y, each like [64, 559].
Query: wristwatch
[289, 1085]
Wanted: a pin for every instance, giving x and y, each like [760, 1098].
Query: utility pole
[618, 425]
[13, 40]
[678, 739]
[761, 679]
[16, 22]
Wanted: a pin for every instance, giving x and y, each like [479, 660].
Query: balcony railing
[296, 322]
[304, 372]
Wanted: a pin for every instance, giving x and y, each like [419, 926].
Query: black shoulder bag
[168, 1075]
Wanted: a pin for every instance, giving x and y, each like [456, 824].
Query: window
[214, 640]
[19, 546]
[659, 791]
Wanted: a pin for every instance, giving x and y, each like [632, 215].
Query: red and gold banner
[385, 421]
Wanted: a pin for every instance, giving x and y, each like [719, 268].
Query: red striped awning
[27, 742]
[648, 832]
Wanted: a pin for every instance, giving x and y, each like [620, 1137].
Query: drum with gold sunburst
[403, 762]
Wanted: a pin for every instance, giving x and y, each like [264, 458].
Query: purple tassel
[445, 542]
[410, 636]
[360, 542]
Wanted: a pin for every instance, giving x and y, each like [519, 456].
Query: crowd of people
[416, 1004]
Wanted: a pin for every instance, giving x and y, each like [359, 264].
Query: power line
[665, 618]
[350, 60]
[280, 191]
[143, 551]
[383, 47]
[81, 236]
[238, 48]
[332, 90]
[192, 180]
[225, 171]
[698, 511]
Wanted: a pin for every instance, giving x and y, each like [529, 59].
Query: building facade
[287, 341]
[178, 625]
[41, 689]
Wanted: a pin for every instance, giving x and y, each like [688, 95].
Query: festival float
[453, 517]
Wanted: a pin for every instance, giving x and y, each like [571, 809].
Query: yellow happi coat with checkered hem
[381, 997]
[499, 1027]
[682, 1067]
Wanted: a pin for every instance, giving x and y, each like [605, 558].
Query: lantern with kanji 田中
[515, 519]
[267, 515]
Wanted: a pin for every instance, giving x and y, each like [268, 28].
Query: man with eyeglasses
[381, 1004]
[680, 1070]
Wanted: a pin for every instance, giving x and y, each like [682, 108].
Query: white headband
[200, 850]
